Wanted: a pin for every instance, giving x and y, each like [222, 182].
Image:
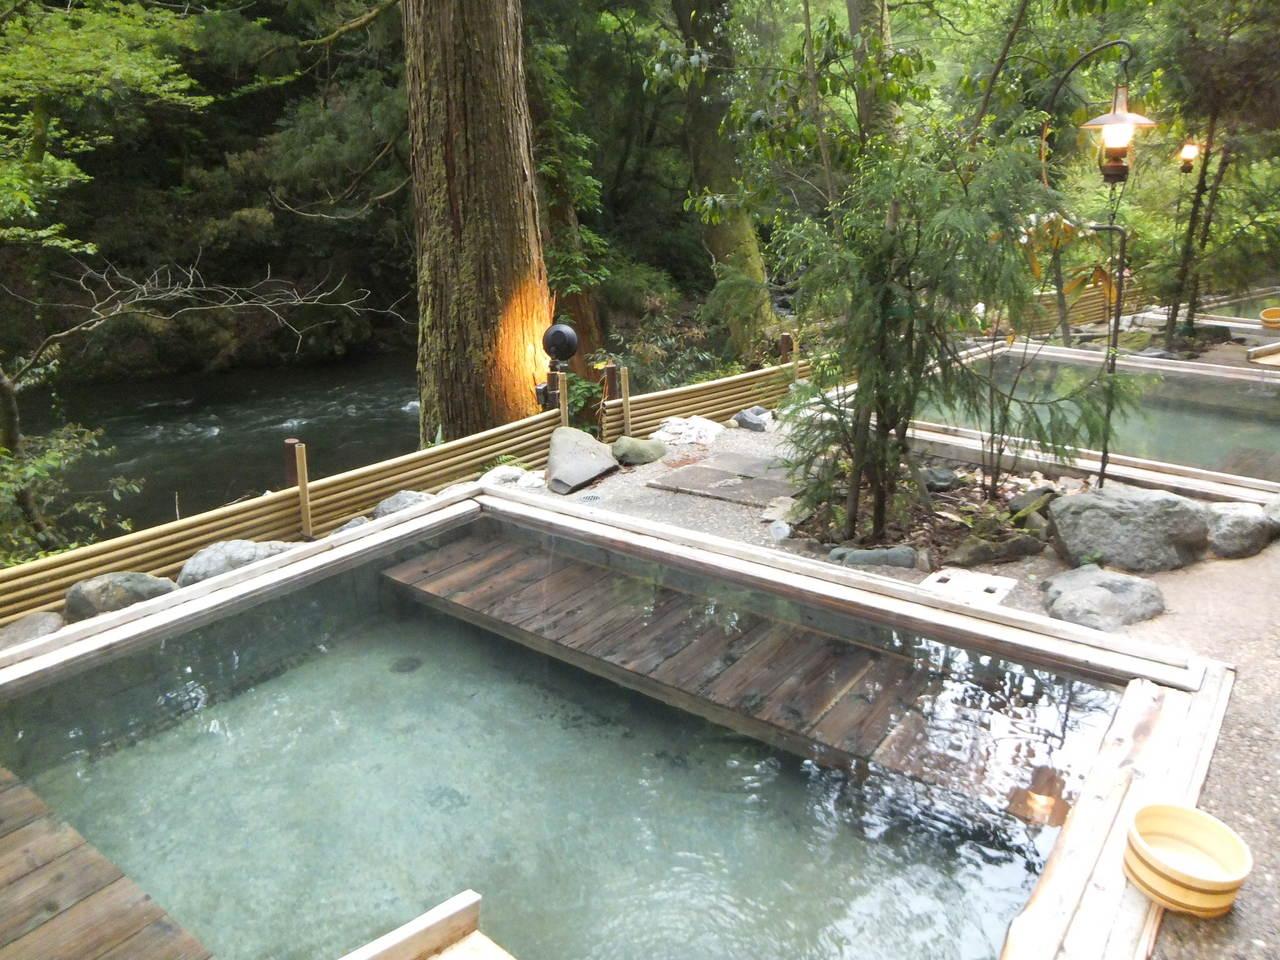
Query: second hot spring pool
[296, 780]
[1231, 425]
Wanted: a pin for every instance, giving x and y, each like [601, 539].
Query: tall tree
[483, 298]
[729, 234]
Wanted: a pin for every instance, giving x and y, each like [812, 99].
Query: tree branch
[1001, 60]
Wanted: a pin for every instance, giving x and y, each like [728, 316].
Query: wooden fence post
[304, 488]
[612, 387]
[789, 352]
[562, 388]
[625, 377]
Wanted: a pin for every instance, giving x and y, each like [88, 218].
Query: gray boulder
[900, 556]
[1238, 529]
[30, 627]
[351, 524]
[632, 452]
[1102, 599]
[507, 474]
[112, 591]
[940, 479]
[750, 420]
[972, 551]
[1272, 509]
[1134, 529]
[228, 555]
[1029, 498]
[576, 459]
[401, 501]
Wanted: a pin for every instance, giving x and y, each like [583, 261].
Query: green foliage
[76, 516]
[584, 395]
[665, 352]
[73, 77]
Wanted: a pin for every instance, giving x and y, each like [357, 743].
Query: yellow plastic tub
[1270, 317]
[1186, 860]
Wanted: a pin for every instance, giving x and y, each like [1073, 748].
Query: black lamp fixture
[560, 343]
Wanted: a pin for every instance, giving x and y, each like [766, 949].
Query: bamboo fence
[1092, 305]
[313, 508]
[639, 416]
[281, 515]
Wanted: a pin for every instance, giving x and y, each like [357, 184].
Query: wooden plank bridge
[807, 691]
[60, 899]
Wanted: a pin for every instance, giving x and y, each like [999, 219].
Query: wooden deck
[60, 899]
[810, 692]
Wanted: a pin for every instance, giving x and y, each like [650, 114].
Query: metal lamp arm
[1062, 82]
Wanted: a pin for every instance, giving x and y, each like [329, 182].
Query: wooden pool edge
[1158, 750]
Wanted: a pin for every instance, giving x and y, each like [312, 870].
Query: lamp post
[1116, 128]
[1113, 345]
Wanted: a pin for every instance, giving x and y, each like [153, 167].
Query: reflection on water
[295, 781]
[207, 440]
[1229, 425]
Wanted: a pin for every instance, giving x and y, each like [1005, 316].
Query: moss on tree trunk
[483, 300]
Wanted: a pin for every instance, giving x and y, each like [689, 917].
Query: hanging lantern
[1117, 128]
[1189, 153]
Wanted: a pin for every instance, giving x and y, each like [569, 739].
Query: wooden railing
[162, 550]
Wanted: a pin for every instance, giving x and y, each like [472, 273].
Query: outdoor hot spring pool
[294, 781]
[1205, 421]
[1249, 307]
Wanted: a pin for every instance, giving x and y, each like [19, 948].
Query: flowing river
[196, 442]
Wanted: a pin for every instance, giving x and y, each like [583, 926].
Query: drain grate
[969, 586]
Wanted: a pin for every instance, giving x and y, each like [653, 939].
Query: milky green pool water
[1228, 425]
[391, 763]
[1249, 307]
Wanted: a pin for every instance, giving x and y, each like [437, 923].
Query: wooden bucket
[1186, 860]
[1270, 318]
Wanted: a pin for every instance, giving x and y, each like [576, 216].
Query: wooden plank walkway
[808, 692]
[60, 899]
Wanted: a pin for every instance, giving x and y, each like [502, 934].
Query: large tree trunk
[483, 301]
[869, 24]
[731, 241]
